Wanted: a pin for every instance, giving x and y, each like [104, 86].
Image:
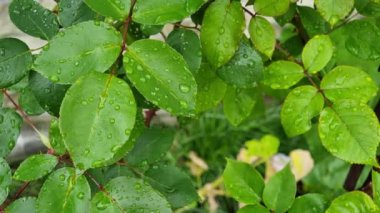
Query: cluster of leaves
[100, 69]
[246, 185]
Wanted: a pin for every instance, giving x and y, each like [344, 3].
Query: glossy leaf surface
[161, 76]
[243, 182]
[127, 194]
[262, 35]
[300, 106]
[64, 191]
[35, 167]
[71, 54]
[106, 108]
[348, 129]
[15, 61]
[10, 127]
[33, 19]
[220, 37]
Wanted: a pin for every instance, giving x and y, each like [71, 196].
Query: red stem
[149, 115]
[126, 26]
[17, 195]
[21, 111]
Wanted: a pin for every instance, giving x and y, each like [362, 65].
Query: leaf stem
[249, 12]
[163, 35]
[187, 27]
[102, 189]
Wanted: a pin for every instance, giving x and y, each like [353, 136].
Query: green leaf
[349, 130]
[245, 69]
[15, 61]
[187, 43]
[309, 203]
[174, 184]
[355, 45]
[312, 21]
[265, 148]
[64, 191]
[35, 167]
[262, 35]
[137, 130]
[300, 106]
[280, 190]
[211, 89]
[334, 11]
[238, 104]
[253, 208]
[329, 173]
[222, 29]
[22, 205]
[161, 76]
[10, 126]
[345, 82]
[29, 103]
[376, 186]
[48, 94]
[151, 29]
[355, 201]
[97, 117]
[288, 16]
[368, 7]
[317, 53]
[55, 137]
[283, 74]
[243, 182]
[156, 12]
[33, 19]
[71, 54]
[5, 180]
[150, 146]
[117, 9]
[271, 7]
[363, 43]
[73, 12]
[127, 194]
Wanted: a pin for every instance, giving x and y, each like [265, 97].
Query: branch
[43, 138]
[301, 30]
[126, 26]
[21, 111]
[17, 195]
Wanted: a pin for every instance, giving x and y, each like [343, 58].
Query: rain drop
[184, 88]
